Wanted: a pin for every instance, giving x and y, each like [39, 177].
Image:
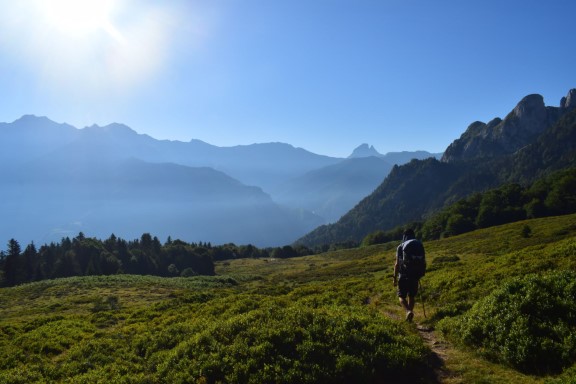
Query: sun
[88, 50]
[77, 18]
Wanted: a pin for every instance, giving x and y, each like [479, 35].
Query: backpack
[413, 263]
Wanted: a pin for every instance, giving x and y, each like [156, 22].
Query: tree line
[86, 256]
[550, 196]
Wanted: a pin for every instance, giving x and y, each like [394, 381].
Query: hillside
[332, 317]
[416, 190]
[71, 192]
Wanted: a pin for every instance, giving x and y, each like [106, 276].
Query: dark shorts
[407, 287]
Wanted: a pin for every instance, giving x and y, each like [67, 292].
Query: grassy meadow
[499, 303]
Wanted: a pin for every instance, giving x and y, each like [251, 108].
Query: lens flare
[78, 16]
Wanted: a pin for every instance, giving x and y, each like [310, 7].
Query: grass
[332, 317]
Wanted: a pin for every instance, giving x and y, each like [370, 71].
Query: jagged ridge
[486, 156]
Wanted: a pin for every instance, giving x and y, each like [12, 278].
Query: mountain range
[530, 142]
[57, 180]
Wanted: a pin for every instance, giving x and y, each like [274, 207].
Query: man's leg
[408, 306]
[412, 292]
[410, 303]
[404, 290]
[405, 304]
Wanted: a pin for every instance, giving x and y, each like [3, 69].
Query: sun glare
[92, 49]
[79, 17]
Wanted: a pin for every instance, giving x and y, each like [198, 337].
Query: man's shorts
[407, 287]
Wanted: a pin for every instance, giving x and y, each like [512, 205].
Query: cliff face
[500, 137]
[569, 102]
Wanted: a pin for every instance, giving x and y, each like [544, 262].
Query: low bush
[315, 333]
[288, 344]
[529, 323]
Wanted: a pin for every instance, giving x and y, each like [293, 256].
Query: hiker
[410, 266]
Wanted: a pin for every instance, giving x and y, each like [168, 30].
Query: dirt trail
[439, 348]
[439, 354]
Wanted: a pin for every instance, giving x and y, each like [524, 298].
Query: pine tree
[13, 266]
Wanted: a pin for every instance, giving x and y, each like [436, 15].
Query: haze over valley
[58, 180]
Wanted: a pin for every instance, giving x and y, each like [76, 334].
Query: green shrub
[529, 323]
[278, 344]
[54, 337]
[526, 231]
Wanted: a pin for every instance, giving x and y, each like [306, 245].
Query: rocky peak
[364, 150]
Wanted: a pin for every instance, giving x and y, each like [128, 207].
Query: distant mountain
[530, 142]
[30, 137]
[366, 150]
[331, 191]
[264, 165]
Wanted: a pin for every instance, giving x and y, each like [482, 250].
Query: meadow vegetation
[501, 297]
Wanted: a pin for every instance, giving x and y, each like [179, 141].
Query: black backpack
[413, 263]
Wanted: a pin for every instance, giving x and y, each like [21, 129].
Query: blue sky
[324, 75]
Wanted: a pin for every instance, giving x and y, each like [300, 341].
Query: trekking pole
[423, 306]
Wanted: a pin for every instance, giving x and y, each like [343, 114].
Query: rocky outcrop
[569, 102]
[530, 114]
[500, 137]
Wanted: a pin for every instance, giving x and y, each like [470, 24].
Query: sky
[323, 75]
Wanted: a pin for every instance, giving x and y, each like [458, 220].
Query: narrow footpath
[439, 355]
[439, 348]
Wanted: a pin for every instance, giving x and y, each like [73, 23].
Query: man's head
[408, 234]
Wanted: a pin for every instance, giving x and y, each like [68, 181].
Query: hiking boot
[409, 316]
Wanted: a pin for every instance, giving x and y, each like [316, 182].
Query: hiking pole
[423, 306]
